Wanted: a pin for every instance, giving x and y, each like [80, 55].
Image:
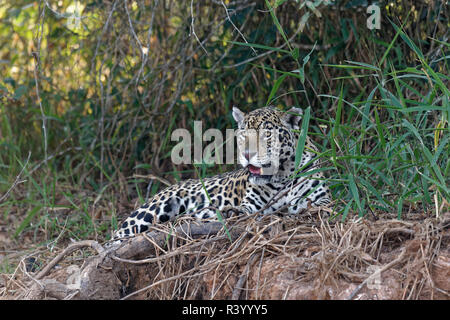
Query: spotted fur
[264, 184]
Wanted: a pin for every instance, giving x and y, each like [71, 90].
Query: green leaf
[279, 3]
[365, 65]
[277, 24]
[389, 47]
[27, 220]
[399, 208]
[295, 53]
[380, 130]
[407, 124]
[354, 191]
[258, 46]
[302, 137]
[346, 66]
[293, 73]
[346, 210]
[20, 91]
[305, 61]
[348, 103]
[440, 148]
[303, 21]
[374, 191]
[335, 129]
[275, 88]
[408, 41]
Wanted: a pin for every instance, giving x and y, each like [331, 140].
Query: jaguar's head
[266, 142]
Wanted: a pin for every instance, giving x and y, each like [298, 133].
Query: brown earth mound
[304, 257]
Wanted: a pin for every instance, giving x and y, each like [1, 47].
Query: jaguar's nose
[248, 154]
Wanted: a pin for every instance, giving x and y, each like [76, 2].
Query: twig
[240, 283]
[193, 29]
[180, 275]
[169, 254]
[376, 273]
[153, 177]
[236, 28]
[145, 51]
[265, 53]
[17, 179]
[36, 56]
[105, 26]
[71, 248]
[320, 47]
[53, 156]
[132, 28]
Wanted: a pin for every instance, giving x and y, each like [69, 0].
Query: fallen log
[98, 278]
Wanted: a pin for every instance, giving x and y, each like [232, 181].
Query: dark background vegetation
[88, 101]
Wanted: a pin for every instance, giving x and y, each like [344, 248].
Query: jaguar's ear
[238, 115]
[292, 117]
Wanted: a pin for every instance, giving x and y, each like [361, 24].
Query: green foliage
[94, 90]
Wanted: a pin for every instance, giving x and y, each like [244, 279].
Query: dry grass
[287, 257]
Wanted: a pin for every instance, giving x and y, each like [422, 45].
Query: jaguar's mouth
[254, 170]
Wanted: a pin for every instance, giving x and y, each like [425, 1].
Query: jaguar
[268, 181]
